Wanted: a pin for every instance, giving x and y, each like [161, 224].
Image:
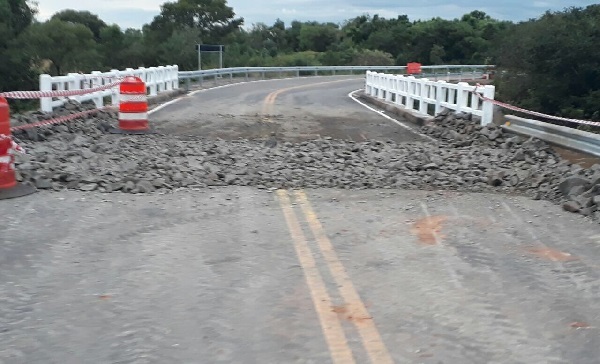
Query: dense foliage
[553, 63]
[549, 64]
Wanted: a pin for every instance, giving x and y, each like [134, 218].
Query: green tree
[553, 64]
[69, 47]
[318, 37]
[213, 19]
[91, 21]
[178, 50]
[112, 45]
[437, 54]
[134, 53]
[15, 69]
[369, 57]
[292, 35]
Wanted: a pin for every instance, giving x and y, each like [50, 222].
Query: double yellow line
[355, 309]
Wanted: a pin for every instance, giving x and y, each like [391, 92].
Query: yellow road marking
[267, 108]
[371, 338]
[330, 324]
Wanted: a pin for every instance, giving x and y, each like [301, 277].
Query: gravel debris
[81, 155]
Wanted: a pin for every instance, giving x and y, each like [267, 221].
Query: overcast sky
[135, 13]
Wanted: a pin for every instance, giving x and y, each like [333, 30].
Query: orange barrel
[9, 188]
[133, 107]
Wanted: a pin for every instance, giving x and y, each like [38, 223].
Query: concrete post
[440, 95]
[114, 96]
[98, 81]
[46, 85]
[462, 97]
[75, 84]
[423, 95]
[489, 91]
[176, 77]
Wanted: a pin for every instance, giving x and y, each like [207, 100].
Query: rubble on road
[80, 155]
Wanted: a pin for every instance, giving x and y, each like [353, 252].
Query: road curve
[241, 275]
[294, 109]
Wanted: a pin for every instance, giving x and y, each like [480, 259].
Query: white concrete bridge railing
[429, 97]
[157, 79]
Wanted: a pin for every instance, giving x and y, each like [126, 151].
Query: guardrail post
[389, 88]
[422, 95]
[374, 85]
[440, 95]
[246, 76]
[151, 80]
[160, 79]
[489, 91]
[114, 96]
[187, 85]
[399, 89]
[175, 77]
[316, 72]
[297, 73]
[262, 75]
[46, 85]
[462, 97]
[410, 103]
[216, 77]
[98, 81]
[75, 84]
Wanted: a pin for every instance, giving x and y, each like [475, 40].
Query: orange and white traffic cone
[9, 188]
[133, 107]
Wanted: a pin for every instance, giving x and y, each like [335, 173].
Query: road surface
[240, 275]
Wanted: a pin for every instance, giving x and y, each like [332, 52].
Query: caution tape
[14, 146]
[59, 120]
[24, 95]
[534, 113]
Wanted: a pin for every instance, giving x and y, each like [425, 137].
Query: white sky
[135, 13]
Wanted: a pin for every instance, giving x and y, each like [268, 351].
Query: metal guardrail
[200, 75]
[563, 136]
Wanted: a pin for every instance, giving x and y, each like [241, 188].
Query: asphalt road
[293, 109]
[239, 275]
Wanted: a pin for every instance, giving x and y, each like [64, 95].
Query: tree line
[550, 64]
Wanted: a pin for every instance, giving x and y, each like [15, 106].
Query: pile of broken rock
[81, 155]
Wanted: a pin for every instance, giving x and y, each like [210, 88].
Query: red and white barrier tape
[14, 145]
[534, 113]
[23, 95]
[61, 119]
